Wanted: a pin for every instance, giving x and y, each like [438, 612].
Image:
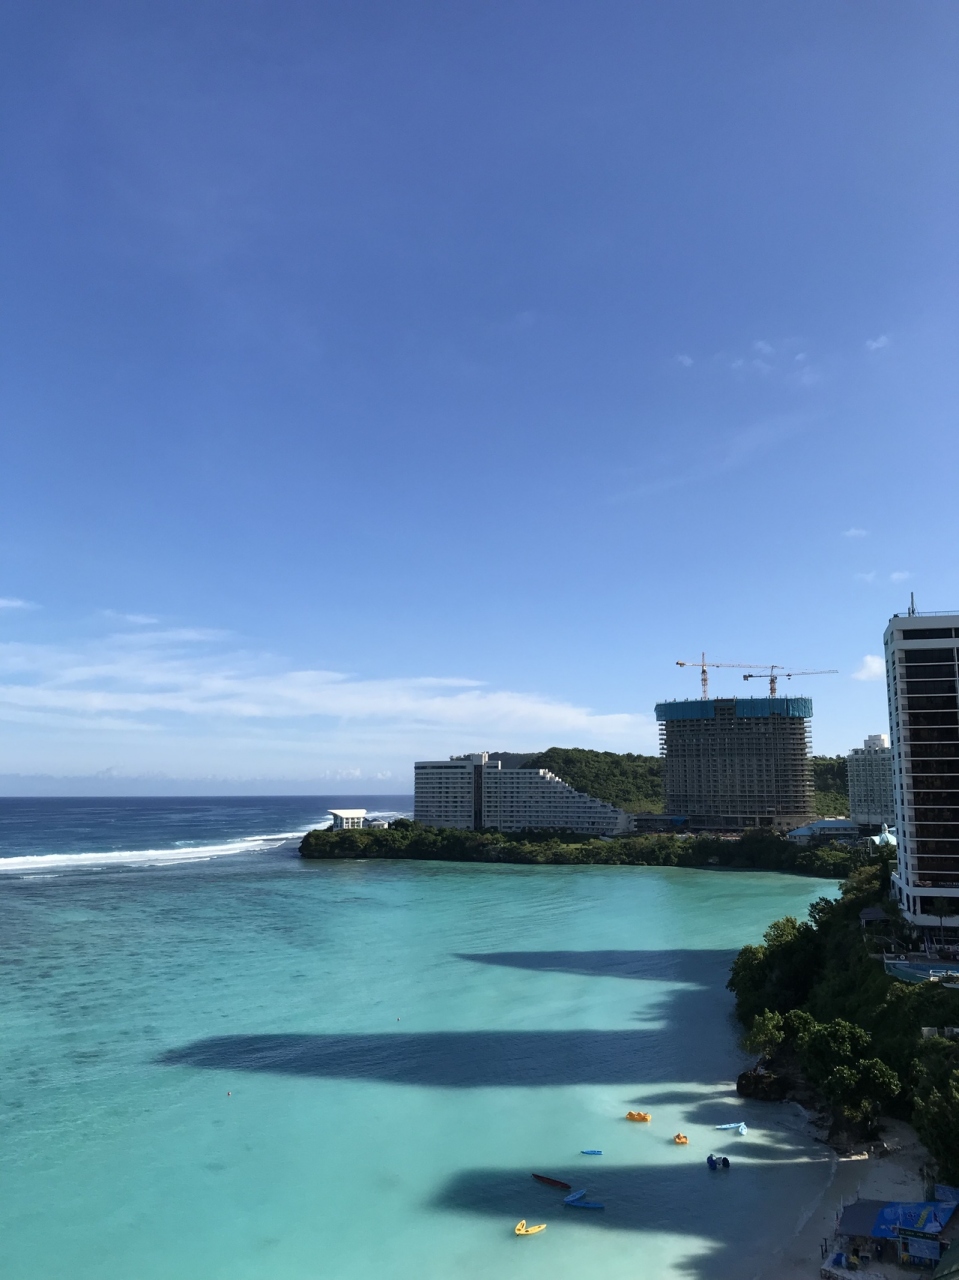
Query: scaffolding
[733, 763]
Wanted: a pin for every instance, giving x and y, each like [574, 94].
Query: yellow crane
[704, 674]
[776, 672]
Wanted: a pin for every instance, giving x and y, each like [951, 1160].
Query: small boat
[585, 1204]
[736, 1124]
[591, 1151]
[725, 1162]
[680, 1139]
[521, 1229]
[712, 1161]
[639, 1115]
[576, 1195]
[552, 1182]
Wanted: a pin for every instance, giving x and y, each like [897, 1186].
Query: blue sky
[387, 380]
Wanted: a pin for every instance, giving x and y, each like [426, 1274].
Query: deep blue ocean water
[248, 1066]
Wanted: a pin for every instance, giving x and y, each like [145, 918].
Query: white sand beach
[894, 1176]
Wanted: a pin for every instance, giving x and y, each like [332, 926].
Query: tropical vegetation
[813, 997]
[754, 850]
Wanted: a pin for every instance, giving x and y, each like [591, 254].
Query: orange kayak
[639, 1115]
[680, 1139]
[522, 1229]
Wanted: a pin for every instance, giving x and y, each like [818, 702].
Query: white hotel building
[870, 782]
[923, 686]
[472, 792]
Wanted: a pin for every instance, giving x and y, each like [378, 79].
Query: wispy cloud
[877, 344]
[871, 668]
[899, 575]
[854, 532]
[779, 361]
[135, 619]
[867, 577]
[11, 602]
[158, 682]
[683, 359]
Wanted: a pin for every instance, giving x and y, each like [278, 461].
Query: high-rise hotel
[923, 686]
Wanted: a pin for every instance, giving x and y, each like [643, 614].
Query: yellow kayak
[639, 1115]
[523, 1230]
[680, 1139]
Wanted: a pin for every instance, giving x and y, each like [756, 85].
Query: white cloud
[877, 344]
[11, 602]
[683, 359]
[867, 577]
[763, 348]
[900, 575]
[854, 533]
[152, 689]
[872, 668]
[136, 619]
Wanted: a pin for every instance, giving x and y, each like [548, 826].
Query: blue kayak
[574, 1195]
[591, 1151]
[584, 1204]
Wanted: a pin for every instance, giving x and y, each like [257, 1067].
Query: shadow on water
[470, 1059]
[448, 1059]
[703, 968]
[732, 1212]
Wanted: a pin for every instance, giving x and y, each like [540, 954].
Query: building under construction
[732, 763]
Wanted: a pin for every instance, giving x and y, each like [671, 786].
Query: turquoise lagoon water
[258, 1068]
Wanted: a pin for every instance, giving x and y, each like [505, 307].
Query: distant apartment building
[473, 792]
[922, 681]
[732, 763]
[870, 782]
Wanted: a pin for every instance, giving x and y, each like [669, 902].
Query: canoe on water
[584, 1204]
[521, 1229]
[736, 1124]
[590, 1151]
[574, 1196]
[639, 1115]
[552, 1182]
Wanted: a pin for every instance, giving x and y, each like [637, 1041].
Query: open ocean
[222, 1063]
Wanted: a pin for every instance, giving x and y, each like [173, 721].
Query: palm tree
[942, 907]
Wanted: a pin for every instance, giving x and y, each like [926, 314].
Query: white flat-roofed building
[473, 792]
[344, 818]
[870, 782]
[922, 681]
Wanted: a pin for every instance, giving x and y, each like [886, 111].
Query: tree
[937, 1123]
[943, 907]
[765, 1035]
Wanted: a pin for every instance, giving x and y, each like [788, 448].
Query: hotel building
[869, 769]
[472, 792]
[923, 688]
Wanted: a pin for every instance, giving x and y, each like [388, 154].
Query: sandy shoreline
[895, 1176]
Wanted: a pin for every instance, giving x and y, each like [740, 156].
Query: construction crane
[704, 674]
[777, 672]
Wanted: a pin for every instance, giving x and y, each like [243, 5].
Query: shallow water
[255, 1067]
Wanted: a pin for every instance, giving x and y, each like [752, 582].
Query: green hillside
[631, 782]
[832, 787]
[635, 783]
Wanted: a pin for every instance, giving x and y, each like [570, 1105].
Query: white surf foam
[47, 862]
